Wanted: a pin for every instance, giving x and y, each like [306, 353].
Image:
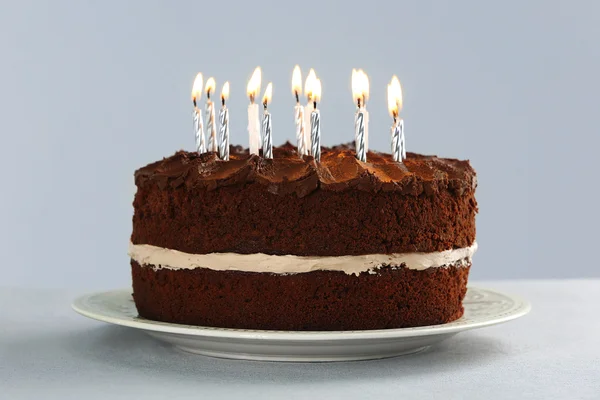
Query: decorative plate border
[483, 307]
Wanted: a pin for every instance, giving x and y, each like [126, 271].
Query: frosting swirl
[287, 173]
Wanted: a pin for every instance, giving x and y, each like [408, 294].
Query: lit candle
[315, 122]
[224, 124]
[360, 93]
[394, 95]
[253, 90]
[365, 86]
[211, 128]
[198, 122]
[266, 123]
[308, 88]
[299, 111]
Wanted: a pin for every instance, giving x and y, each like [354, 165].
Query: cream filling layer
[288, 264]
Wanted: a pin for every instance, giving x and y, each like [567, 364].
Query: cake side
[338, 207]
[318, 300]
[291, 244]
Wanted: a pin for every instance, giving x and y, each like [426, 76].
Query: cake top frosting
[287, 173]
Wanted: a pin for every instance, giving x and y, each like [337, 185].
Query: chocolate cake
[295, 244]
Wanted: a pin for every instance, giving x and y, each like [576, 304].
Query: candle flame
[210, 86]
[225, 91]
[310, 84]
[360, 85]
[253, 88]
[316, 92]
[197, 86]
[268, 94]
[356, 92]
[297, 81]
[394, 95]
[365, 85]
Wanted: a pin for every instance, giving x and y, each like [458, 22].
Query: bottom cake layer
[317, 301]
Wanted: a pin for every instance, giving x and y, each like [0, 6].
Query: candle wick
[358, 102]
[315, 105]
[297, 97]
[252, 98]
[194, 101]
[265, 105]
[223, 101]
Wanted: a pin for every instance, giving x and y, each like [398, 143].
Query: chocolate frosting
[287, 173]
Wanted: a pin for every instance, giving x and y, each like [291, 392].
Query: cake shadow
[130, 349]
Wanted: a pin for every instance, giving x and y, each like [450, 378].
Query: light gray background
[90, 91]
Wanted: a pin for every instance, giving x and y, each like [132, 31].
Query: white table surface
[48, 351]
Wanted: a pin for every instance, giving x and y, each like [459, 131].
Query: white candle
[365, 98]
[315, 122]
[308, 109]
[397, 140]
[199, 131]
[224, 124]
[394, 95]
[359, 134]
[211, 128]
[197, 116]
[253, 90]
[300, 129]
[403, 140]
[299, 112]
[360, 93]
[267, 138]
[315, 129]
[366, 129]
[266, 125]
[398, 148]
[253, 128]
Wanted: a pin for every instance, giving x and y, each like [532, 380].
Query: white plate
[483, 307]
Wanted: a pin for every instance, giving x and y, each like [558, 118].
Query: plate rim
[522, 308]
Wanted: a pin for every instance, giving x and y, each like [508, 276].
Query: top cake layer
[338, 206]
[339, 170]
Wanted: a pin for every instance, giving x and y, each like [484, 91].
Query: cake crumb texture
[200, 204]
[318, 300]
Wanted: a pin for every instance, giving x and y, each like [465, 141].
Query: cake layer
[293, 206]
[318, 300]
[259, 262]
